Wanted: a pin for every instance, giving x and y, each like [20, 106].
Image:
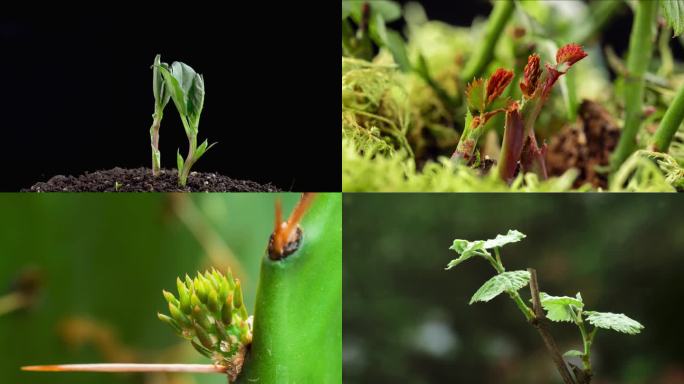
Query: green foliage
[187, 92]
[673, 10]
[161, 98]
[512, 236]
[560, 308]
[503, 282]
[615, 321]
[210, 313]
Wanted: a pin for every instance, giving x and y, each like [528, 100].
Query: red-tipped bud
[497, 83]
[570, 54]
[532, 73]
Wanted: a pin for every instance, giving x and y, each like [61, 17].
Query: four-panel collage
[137, 248]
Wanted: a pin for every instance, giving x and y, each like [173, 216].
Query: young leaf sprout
[544, 307]
[186, 88]
[161, 98]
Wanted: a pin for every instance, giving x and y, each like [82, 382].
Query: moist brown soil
[584, 145]
[141, 180]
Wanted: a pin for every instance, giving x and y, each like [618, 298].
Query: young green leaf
[559, 308]
[202, 149]
[475, 94]
[466, 249]
[673, 10]
[396, 45]
[161, 95]
[179, 160]
[196, 100]
[505, 281]
[573, 353]
[176, 90]
[513, 236]
[615, 321]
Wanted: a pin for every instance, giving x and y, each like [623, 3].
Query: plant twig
[539, 322]
[192, 368]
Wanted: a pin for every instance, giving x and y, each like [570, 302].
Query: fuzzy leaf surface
[513, 236]
[466, 249]
[506, 281]
[559, 308]
[615, 321]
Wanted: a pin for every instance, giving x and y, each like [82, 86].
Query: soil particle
[141, 180]
[584, 145]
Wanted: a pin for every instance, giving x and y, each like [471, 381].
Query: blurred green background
[81, 275]
[407, 320]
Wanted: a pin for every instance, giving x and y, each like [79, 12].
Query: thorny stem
[497, 21]
[286, 232]
[639, 56]
[539, 322]
[670, 124]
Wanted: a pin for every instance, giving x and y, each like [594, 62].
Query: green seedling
[544, 306]
[161, 98]
[186, 89]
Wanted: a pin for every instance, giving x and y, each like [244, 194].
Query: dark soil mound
[141, 180]
[585, 145]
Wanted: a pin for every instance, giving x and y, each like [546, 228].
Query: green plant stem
[639, 56]
[497, 21]
[670, 124]
[154, 140]
[298, 313]
[189, 161]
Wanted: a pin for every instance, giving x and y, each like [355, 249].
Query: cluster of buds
[484, 100]
[210, 312]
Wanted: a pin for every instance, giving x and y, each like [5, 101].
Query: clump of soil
[585, 145]
[141, 180]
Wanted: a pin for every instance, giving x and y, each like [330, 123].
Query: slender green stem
[189, 161]
[639, 56]
[154, 141]
[515, 296]
[670, 124]
[485, 51]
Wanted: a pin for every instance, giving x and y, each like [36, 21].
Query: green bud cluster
[210, 312]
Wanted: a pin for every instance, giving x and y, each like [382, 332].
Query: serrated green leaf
[673, 11]
[466, 249]
[179, 161]
[513, 236]
[505, 281]
[475, 94]
[615, 321]
[396, 45]
[573, 353]
[559, 308]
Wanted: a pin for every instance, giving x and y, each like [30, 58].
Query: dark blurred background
[81, 276]
[77, 90]
[407, 320]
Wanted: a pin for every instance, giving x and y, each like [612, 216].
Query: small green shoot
[186, 88]
[210, 312]
[557, 308]
[161, 98]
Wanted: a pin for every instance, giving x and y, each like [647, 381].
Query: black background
[77, 91]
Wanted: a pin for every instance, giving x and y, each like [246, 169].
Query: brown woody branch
[540, 323]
